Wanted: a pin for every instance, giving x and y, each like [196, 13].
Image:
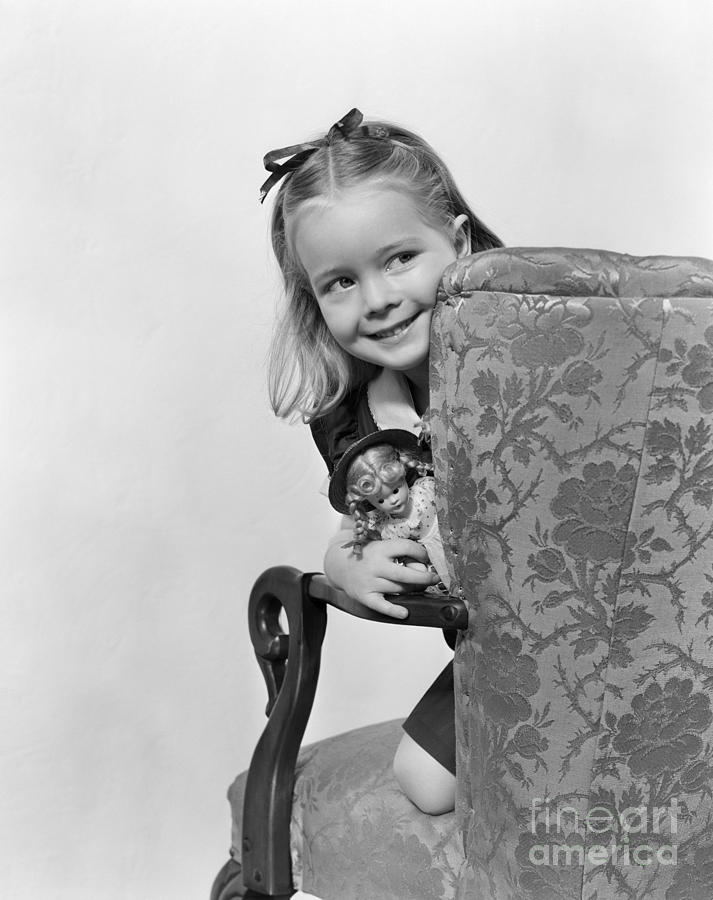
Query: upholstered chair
[572, 436]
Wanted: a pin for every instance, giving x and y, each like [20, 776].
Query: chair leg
[290, 665]
[228, 885]
[228, 882]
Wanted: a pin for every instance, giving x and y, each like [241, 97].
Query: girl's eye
[401, 260]
[395, 491]
[339, 284]
[381, 502]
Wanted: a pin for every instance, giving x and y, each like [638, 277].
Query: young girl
[364, 224]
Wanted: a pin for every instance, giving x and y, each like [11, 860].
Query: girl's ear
[460, 232]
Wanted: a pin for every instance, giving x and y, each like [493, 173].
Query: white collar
[391, 403]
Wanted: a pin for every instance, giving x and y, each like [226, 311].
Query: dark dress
[432, 721]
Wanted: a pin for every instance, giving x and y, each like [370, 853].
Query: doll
[387, 487]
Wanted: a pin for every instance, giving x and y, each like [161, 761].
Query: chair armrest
[424, 610]
[266, 868]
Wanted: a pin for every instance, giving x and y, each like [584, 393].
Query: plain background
[144, 483]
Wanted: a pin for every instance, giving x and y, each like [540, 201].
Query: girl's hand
[378, 572]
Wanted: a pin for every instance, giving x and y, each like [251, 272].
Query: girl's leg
[423, 779]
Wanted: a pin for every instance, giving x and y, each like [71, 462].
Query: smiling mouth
[393, 332]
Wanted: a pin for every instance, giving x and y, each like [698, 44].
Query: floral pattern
[573, 444]
[594, 511]
[355, 836]
[694, 879]
[663, 731]
[698, 372]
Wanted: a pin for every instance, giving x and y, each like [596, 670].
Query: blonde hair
[308, 372]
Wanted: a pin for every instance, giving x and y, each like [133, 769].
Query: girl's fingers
[405, 575]
[404, 547]
[380, 604]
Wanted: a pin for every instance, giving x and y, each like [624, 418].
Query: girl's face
[374, 264]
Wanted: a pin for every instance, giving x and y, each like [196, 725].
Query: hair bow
[294, 156]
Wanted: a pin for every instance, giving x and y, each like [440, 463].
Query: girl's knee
[427, 784]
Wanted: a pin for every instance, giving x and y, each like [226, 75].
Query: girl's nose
[378, 297]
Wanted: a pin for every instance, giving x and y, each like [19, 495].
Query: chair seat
[355, 836]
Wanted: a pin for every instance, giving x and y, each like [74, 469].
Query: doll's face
[392, 501]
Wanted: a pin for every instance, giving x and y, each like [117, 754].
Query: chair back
[572, 393]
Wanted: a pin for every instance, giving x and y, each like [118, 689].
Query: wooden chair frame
[265, 872]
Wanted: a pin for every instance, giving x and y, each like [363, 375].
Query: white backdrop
[144, 482]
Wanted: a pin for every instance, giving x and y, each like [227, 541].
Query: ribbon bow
[348, 126]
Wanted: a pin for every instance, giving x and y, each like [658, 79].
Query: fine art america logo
[636, 836]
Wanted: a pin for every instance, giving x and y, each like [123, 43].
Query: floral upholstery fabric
[572, 394]
[355, 836]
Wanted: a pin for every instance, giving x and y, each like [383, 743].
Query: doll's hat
[396, 437]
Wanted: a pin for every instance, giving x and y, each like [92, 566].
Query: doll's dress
[421, 525]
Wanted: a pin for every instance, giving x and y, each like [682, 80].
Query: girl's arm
[377, 572]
